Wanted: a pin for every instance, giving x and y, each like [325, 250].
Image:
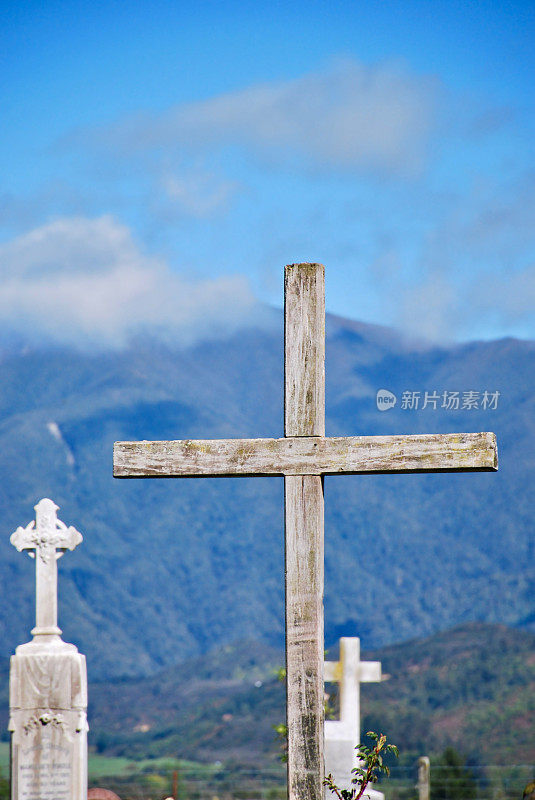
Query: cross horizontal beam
[307, 455]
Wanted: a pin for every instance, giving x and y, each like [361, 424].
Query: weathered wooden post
[424, 778]
[304, 416]
[47, 681]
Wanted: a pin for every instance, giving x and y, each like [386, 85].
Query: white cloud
[442, 308]
[509, 298]
[200, 194]
[350, 116]
[430, 309]
[465, 271]
[85, 281]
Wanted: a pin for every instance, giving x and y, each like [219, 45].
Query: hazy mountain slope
[173, 568]
[472, 687]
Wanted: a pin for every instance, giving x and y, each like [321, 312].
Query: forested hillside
[171, 569]
[472, 688]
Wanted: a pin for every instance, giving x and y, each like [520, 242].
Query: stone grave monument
[343, 735]
[47, 681]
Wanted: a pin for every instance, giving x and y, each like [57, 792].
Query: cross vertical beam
[46, 570]
[304, 415]
[46, 539]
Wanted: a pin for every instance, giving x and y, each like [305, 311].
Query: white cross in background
[343, 735]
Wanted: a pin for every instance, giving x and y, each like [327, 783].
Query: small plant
[281, 730]
[371, 766]
[281, 736]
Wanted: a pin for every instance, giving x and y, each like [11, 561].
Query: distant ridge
[172, 569]
[472, 688]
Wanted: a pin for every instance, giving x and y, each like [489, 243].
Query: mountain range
[171, 569]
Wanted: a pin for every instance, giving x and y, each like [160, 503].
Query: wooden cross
[46, 539]
[303, 457]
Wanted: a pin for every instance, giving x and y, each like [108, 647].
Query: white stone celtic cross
[46, 539]
[47, 679]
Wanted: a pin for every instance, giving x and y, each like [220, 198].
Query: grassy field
[100, 766]
[138, 780]
[4, 757]
[107, 766]
[103, 766]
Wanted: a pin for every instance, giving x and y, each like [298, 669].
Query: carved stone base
[48, 721]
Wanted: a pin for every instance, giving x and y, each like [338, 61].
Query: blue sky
[161, 162]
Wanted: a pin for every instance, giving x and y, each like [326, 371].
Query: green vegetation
[4, 787]
[195, 781]
[372, 765]
[471, 688]
[4, 757]
[451, 779]
[103, 766]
